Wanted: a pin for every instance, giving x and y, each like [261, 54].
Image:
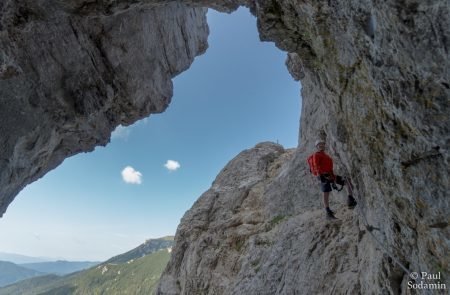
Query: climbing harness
[334, 186]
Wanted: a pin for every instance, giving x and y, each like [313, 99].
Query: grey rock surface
[375, 84]
[259, 230]
[70, 74]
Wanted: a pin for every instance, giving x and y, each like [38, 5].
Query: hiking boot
[351, 202]
[330, 215]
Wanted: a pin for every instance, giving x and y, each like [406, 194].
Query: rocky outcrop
[259, 230]
[71, 71]
[374, 84]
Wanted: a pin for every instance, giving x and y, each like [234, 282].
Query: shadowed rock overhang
[375, 83]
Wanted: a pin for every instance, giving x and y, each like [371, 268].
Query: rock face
[259, 230]
[70, 72]
[375, 84]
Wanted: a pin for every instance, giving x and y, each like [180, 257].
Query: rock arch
[374, 75]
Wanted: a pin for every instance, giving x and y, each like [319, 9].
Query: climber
[321, 165]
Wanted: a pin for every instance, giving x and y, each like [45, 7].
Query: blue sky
[237, 94]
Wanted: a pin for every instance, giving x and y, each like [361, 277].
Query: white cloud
[172, 165]
[129, 175]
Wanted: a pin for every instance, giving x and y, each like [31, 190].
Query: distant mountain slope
[128, 273]
[139, 276]
[11, 273]
[29, 286]
[60, 267]
[19, 259]
[150, 246]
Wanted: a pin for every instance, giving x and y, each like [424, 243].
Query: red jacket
[321, 164]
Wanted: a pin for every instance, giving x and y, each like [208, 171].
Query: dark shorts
[325, 184]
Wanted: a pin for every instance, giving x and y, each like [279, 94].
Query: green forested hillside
[11, 273]
[150, 246]
[138, 276]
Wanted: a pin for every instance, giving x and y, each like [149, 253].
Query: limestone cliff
[71, 71]
[375, 83]
[260, 230]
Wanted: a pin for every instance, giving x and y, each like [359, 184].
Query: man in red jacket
[322, 167]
